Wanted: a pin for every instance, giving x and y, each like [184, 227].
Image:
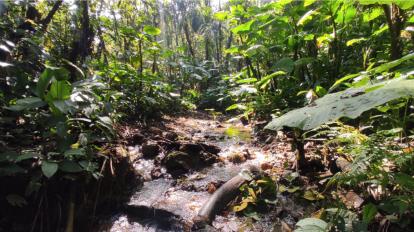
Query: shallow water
[170, 205]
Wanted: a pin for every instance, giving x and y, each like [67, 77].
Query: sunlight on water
[239, 133]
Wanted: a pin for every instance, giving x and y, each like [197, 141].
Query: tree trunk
[45, 22]
[207, 45]
[82, 47]
[188, 39]
[395, 19]
[228, 45]
[87, 33]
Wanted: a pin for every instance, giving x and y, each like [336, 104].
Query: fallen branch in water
[222, 197]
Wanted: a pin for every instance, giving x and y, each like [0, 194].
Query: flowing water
[168, 204]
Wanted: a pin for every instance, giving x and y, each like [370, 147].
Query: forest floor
[175, 187]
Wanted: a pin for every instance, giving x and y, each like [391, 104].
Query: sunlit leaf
[312, 195]
[354, 41]
[243, 205]
[236, 106]
[373, 14]
[247, 80]
[245, 27]
[221, 15]
[308, 16]
[308, 2]
[151, 30]
[60, 90]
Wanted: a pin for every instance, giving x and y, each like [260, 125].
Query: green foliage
[350, 103]
[257, 196]
[65, 82]
[68, 114]
[150, 30]
[311, 224]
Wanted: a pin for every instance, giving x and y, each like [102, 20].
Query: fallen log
[222, 197]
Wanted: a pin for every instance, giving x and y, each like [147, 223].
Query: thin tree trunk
[395, 19]
[188, 39]
[228, 45]
[207, 45]
[87, 33]
[141, 65]
[45, 22]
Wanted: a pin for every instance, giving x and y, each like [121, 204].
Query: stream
[170, 204]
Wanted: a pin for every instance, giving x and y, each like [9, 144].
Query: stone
[170, 135]
[155, 130]
[178, 163]
[237, 158]
[194, 148]
[150, 150]
[137, 138]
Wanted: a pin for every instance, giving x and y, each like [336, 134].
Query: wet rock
[195, 148]
[207, 159]
[191, 148]
[156, 173]
[155, 131]
[178, 163]
[137, 138]
[237, 158]
[150, 150]
[170, 135]
[341, 164]
[352, 200]
[266, 166]
[244, 120]
[211, 188]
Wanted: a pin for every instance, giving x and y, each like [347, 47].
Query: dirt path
[168, 202]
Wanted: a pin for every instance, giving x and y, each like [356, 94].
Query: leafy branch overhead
[349, 103]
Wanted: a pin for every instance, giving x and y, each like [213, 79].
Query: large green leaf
[311, 225]
[47, 76]
[369, 212]
[285, 64]
[255, 49]
[26, 104]
[266, 79]
[60, 90]
[70, 166]
[150, 30]
[349, 103]
[245, 27]
[308, 16]
[221, 15]
[49, 168]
